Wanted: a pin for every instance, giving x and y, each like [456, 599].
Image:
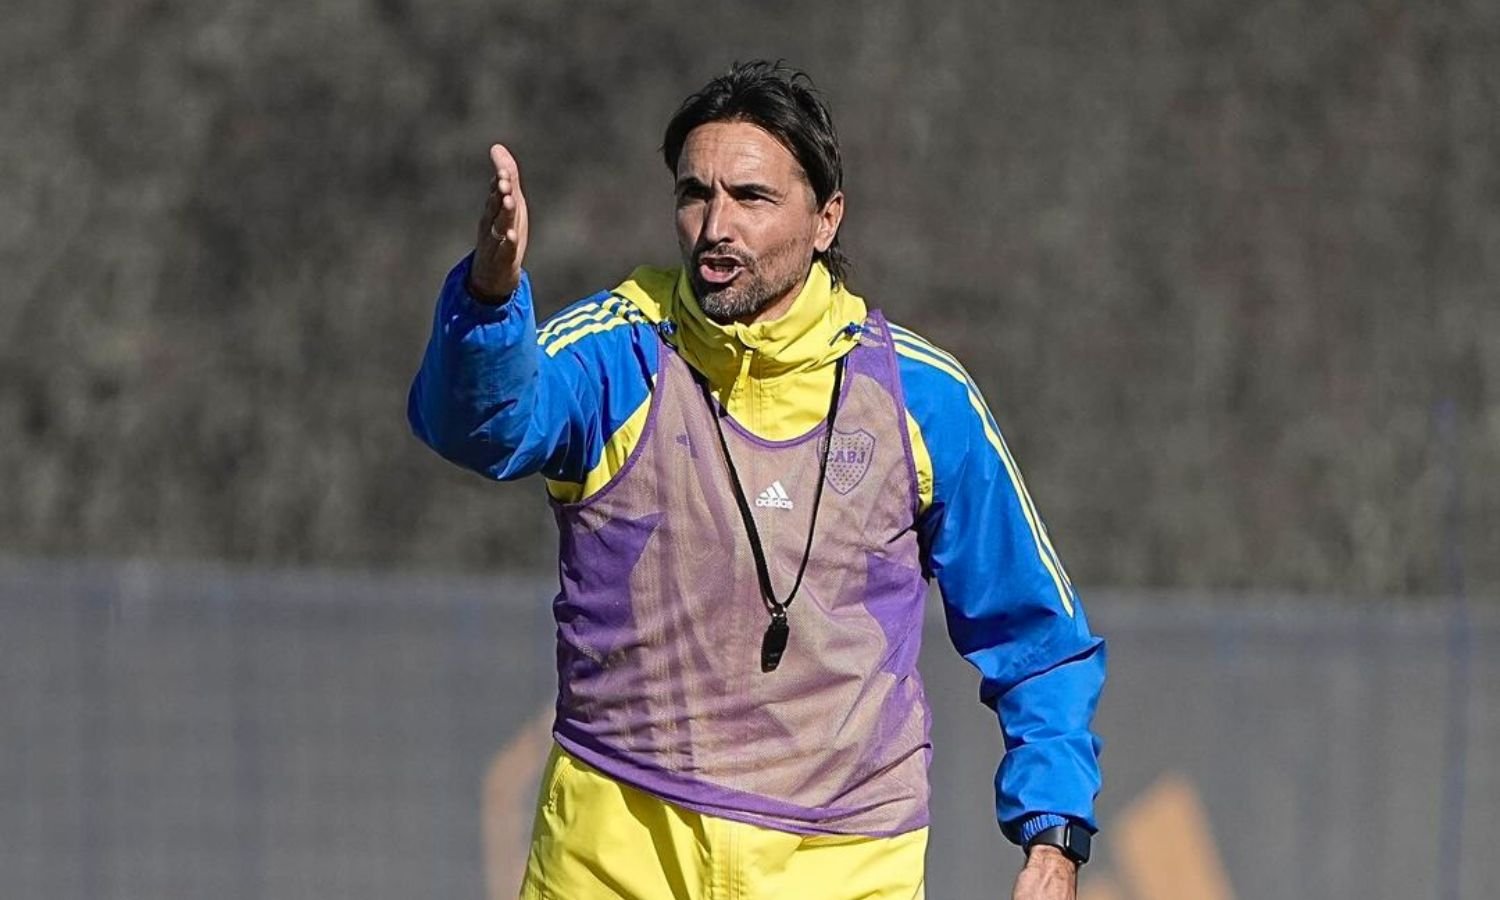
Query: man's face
[747, 220]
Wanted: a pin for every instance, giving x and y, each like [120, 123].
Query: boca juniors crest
[849, 459]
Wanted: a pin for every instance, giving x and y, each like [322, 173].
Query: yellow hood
[760, 361]
[774, 377]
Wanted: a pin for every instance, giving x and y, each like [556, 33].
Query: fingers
[502, 225]
[501, 206]
[504, 163]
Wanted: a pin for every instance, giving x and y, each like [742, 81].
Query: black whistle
[774, 643]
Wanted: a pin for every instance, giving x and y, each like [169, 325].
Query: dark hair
[784, 102]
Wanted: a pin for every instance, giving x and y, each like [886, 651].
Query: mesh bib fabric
[660, 617]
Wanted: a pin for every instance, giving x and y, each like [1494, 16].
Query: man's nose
[717, 220]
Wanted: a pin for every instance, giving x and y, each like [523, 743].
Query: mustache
[701, 251]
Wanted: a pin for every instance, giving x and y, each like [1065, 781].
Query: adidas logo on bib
[774, 497]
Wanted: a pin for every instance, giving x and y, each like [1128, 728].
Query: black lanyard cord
[774, 643]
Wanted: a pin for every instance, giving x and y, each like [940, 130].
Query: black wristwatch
[1074, 841]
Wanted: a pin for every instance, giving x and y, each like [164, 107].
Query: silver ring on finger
[499, 238]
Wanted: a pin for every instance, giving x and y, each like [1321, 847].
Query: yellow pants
[597, 839]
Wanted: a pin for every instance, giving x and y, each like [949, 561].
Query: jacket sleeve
[1010, 608]
[490, 398]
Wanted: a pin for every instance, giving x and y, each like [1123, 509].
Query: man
[753, 477]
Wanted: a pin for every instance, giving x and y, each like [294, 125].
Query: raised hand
[501, 244]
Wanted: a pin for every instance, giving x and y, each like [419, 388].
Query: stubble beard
[751, 293]
[736, 301]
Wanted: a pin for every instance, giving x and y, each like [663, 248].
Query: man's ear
[829, 218]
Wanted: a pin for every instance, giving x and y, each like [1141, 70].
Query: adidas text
[774, 497]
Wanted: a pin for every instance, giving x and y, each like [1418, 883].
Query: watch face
[1075, 842]
[1081, 844]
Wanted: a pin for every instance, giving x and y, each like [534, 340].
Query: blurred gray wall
[181, 733]
[1226, 271]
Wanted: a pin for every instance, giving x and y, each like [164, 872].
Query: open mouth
[720, 270]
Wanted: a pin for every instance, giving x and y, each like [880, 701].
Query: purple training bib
[660, 617]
